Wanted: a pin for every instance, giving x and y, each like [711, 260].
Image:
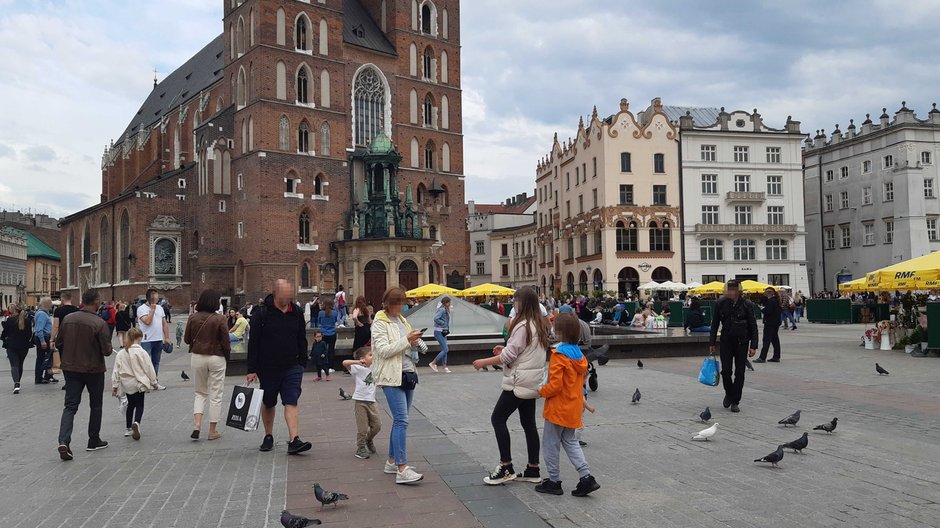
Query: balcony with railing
[746, 228]
[746, 197]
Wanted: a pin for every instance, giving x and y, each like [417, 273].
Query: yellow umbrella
[430, 290]
[716, 287]
[917, 273]
[487, 290]
[749, 286]
[857, 285]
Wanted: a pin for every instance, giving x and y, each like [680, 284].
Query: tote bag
[244, 411]
[709, 374]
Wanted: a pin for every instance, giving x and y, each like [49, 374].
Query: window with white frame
[221, 206]
[777, 249]
[866, 195]
[844, 200]
[775, 185]
[866, 167]
[742, 214]
[932, 229]
[709, 214]
[869, 231]
[928, 188]
[888, 161]
[889, 231]
[741, 154]
[241, 230]
[624, 162]
[745, 249]
[742, 183]
[240, 181]
[626, 194]
[709, 153]
[828, 203]
[291, 185]
[480, 247]
[925, 158]
[775, 215]
[773, 154]
[829, 175]
[846, 236]
[830, 235]
[843, 173]
[712, 249]
[481, 268]
[709, 184]
[889, 191]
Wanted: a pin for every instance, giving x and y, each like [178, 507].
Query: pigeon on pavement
[327, 497]
[705, 434]
[706, 415]
[636, 396]
[774, 457]
[790, 420]
[343, 395]
[799, 444]
[639, 364]
[880, 370]
[289, 520]
[184, 376]
[828, 427]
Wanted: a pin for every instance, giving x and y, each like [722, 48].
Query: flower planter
[869, 343]
[908, 349]
[885, 341]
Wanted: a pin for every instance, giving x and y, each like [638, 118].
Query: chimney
[686, 122]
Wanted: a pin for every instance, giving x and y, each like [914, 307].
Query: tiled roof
[359, 29]
[34, 247]
[195, 75]
[703, 116]
[503, 208]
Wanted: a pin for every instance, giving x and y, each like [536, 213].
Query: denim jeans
[155, 348]
[441, 358]
[785, 316]
[701, 329]
[75, 383]
[43, 360]
[399, 404]
[233, 338]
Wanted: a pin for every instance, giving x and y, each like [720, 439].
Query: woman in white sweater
[395, 354]
[133, 376]
[524, 358]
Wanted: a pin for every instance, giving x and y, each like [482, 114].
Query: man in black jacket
[772, 311]
[735, 315]
[277, 356]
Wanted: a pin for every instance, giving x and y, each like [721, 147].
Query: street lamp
[20, 292]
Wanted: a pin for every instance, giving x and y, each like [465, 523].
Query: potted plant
[905, 344]
[919, 335]
[872, 336]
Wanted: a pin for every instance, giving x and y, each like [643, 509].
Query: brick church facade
[319, 141]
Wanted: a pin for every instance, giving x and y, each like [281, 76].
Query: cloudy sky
[73, 72]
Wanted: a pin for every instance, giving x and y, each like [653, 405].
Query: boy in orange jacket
[564, 405]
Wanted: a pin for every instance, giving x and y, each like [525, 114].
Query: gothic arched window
[284, 133]
[325, 139]
[304, 228]
[302, 86]
[303, 138]
[370, 93]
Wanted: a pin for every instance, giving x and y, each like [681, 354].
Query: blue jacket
[327, 325]
[442, 319]
[42, 325]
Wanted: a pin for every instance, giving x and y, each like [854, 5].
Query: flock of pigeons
[289, 520]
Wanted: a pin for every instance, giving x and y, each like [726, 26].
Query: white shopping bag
[244, 412]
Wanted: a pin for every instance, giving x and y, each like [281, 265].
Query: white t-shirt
[365, 387]
[153, 331]
[512, 313]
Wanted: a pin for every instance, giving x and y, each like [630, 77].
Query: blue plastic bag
[710, 372]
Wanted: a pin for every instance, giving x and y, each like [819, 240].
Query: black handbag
[445, 333]
[409, 380]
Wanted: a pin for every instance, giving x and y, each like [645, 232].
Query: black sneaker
[531, 474]
[582, 443]
[16, 388]
[726, 402]
[297, 446]
[774, 360]
[51, 379]
[586, 485]
[551, 487]
[500, 475]
[735, 408]
[95, 445]
[267, 444]
[760, 360]
[65, 453]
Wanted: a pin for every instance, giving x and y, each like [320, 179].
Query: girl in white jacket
[133, 376]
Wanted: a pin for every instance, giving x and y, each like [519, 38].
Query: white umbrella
[784, 287]
[667, 286]
[678, 286]
[693, 284]
[652, 285]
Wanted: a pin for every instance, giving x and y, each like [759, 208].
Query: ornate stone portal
[385, 241]
[165, 236]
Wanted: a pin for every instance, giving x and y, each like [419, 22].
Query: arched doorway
[456, 280]
[628, 280]
[582, 281]
[570, 282]
[598, 280]
[374, 282]
[662, 274]
[408, 274]
[434, 272]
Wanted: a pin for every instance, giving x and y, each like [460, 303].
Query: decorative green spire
[408, 196]
[380, 144]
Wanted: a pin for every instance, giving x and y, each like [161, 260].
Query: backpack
[104, 312]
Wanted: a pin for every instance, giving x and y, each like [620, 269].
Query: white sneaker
[408, 476]
[128, 432]
[447, 370]
[392, 469]
[432, 366]
[160, 387]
